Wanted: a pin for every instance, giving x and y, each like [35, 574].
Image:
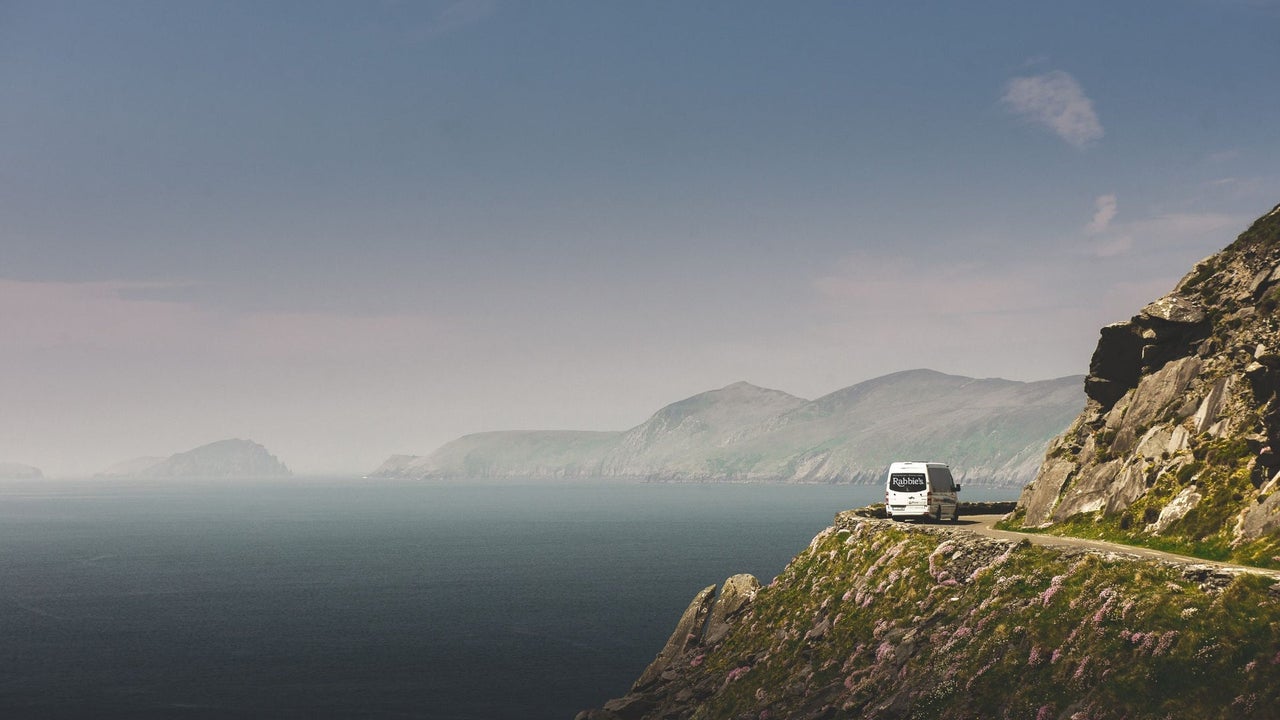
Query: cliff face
[1175, 445]
[1176, 448]
[880, 620]
[991, 431]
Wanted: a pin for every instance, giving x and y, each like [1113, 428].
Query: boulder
[687, 635]
[1090, 491]
[1262, 380]
[1041, 495]
[1176, 510]
[1264, 279]
[1261, 519]
[1268, 458]
[1116, 364]
[735, 594]
[1207, 414]
[1266, 356]
[1154, 394]
[1174, 309]
[1128, 486]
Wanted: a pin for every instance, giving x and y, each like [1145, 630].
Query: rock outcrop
[1176, 437]
[1178, 446]
[991, 431]
[882, 621]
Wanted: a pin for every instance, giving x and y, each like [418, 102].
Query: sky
[351, 229]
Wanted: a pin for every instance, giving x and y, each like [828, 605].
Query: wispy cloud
[1105, 213]
[1056, 101]
[129, 317]
[1161, 233]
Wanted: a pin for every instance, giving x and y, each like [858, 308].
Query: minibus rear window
[907, 482]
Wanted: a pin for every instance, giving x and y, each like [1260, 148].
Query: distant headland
[992, 431]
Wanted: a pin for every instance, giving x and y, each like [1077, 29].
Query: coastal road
[983, 525]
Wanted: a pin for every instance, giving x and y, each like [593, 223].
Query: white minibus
[921, 490]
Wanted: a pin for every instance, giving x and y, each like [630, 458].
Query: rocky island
[1174, 449]
[222, 459]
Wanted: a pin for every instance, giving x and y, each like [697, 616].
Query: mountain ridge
[992, 430]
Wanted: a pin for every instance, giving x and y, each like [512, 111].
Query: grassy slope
[877, 621]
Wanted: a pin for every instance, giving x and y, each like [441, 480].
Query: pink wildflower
[1128, 605]
[1054, 586]
[1109, 597]
[884, 651]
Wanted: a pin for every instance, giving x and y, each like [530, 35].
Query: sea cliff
[882, 620]
[1178, 448]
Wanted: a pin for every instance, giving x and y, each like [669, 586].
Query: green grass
[1220, 474]
[1033, 628]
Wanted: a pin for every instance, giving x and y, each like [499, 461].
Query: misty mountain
[18, 471]
[132, 467]
[991, 431]
[222, 459]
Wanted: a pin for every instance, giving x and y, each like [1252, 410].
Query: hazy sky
[351, 229]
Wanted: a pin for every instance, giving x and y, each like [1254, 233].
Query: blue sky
[350, 229]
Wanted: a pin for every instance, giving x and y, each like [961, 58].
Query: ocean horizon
[348, 597]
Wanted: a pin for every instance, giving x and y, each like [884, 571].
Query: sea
[358, 598]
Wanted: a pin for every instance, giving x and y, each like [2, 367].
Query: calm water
[350, 598]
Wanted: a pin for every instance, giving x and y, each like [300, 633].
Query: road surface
[983, 525]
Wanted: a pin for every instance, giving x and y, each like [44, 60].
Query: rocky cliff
[222, 459]
[991, 431]
[1177, 444]
[880, 620]
[1176, 448]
